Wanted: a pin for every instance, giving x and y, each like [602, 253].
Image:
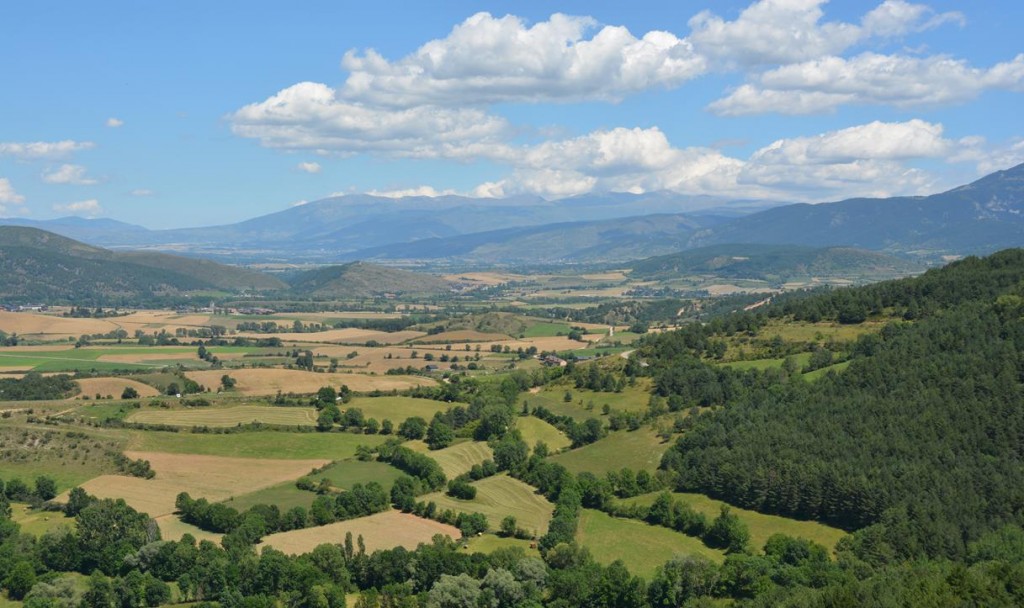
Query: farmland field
[761, 526]
[380, 531]
[28, 453]
[640, 449]
[397, 409]
[284, 495]
[348, 473]
[498, 497]
[456, 459]
[489, 543]
[172, 528]
[270, 381]
[763, 364]
[258, 444]
[36, 522]
[643, 546]
[535, 429]
[114, 387]
[211, 477]
[227, 416]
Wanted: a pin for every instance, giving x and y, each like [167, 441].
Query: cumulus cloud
[87, 208]
[43, 149]
[488, 59]
[311, 116]
[785, 31]
[113, 123]
[68, 174]
[986, 157]
[866, 160]
[869, 78]
[8, 195]
[309, 167]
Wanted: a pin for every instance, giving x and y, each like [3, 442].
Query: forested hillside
[919, 443]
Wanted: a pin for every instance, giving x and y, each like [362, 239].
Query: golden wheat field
[270, 381]
[114, 387]
[380, 531]
[227, 416]
[212, 477]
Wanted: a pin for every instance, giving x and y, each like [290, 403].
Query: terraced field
[457, 459]
[644, 547]
[498, 497]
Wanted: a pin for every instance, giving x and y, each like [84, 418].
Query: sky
[194, 113]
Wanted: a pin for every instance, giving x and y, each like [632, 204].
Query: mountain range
[980, 217]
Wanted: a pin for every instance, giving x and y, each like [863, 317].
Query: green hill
[775, 263]
[36, 265]
[362, 280]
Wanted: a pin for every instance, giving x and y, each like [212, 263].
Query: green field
[257, 444]
[535, 429]
[761, 526]
[546, 330]
[498, 497]
[458, 458]
[348, 473]
[226, 416]
[643, 547]
[397, 409]
[38, 522]
[631, 399]
[87, 358]
[489, 543]
[284, 495]
[818, 373]
[763, 364]
[640, 449]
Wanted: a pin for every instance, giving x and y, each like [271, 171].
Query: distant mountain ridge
[36, 265]
[776, 264]
[362, 280]
[980, 217]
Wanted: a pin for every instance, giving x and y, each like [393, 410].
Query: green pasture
[255, 444]
[637, 450]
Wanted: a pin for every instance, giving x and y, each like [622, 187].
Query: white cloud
[865, 160]
[44, 149]
[427, 191]
[299, 203]
[114, 122]
[869, 78]
[310, 116]
[88, 208]
[988, 158]
[872, 141]
[142, 192]
[8, 195]
[309, 167]
[487, 60]
[68, 174]
[785, 31]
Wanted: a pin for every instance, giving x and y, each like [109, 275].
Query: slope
[773, 263]
[38, 265]
[361, 280]
[980, 217]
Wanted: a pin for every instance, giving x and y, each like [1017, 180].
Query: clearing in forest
[637, 450]
[380, 531]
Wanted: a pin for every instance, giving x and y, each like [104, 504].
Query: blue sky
[196, 113]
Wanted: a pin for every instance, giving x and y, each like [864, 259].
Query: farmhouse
[553, 361]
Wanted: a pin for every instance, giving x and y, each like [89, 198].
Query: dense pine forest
[915, 448]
